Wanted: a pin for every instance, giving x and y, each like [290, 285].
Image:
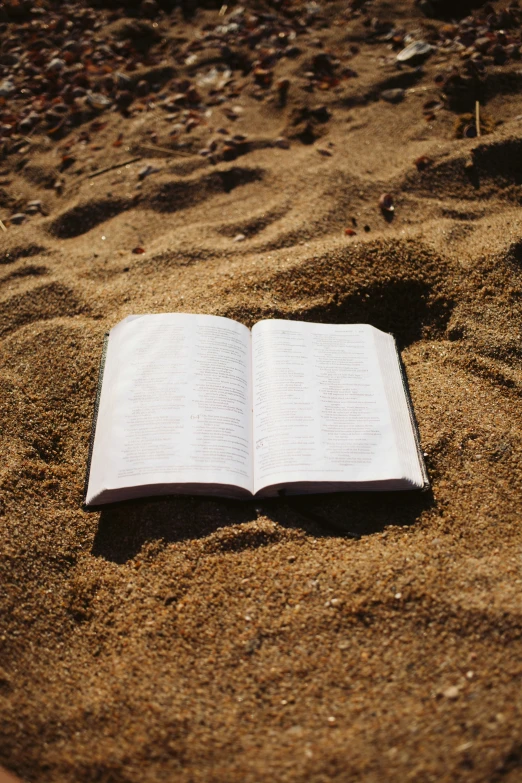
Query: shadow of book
[125, 528]
[351, 514]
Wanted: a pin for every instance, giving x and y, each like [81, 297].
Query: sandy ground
[202, 640]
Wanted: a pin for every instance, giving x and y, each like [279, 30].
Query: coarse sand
[354, 637]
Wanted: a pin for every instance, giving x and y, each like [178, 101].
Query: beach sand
[349, 637]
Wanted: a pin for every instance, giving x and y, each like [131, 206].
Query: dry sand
[203, 640]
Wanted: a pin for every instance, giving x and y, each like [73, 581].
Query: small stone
[34, 207]
[146, 171]
[452, 692]
[282, 143]
[263, 76]
[499, 55]
[386, 203]
[26, 125]
[229, 152]
[53, 117]
[239, 238]
[98, 101]
[393, 96]
[427, 8]
[295, 731]
[124, 99]
[414, 52]
[142, 88]
[122, 80]
[56, 65]
[149, 7]
[7, 88]
[282, 87]
[18, 218]
[423, 162]
[482, 44]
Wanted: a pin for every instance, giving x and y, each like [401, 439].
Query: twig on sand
[165, 150]
[477, 117]
[114, 166]
[2, 226]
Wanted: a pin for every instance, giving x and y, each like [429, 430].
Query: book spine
[101, 371]
[414, 424]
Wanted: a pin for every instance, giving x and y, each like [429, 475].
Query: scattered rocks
[34, 207]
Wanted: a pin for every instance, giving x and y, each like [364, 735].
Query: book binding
[413, 419]
[96, 411]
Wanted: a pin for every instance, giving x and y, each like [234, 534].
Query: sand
[378, 639]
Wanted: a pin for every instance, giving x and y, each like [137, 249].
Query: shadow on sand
[124, 528]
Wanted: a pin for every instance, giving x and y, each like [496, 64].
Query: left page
[175, 410]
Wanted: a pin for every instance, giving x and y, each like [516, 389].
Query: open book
[203, 405]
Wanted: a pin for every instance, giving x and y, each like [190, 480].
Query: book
[200, 404]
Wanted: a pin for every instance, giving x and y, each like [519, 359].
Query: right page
[330, 410]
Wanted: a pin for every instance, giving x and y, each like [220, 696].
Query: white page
[176, 404]
[320, 408]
